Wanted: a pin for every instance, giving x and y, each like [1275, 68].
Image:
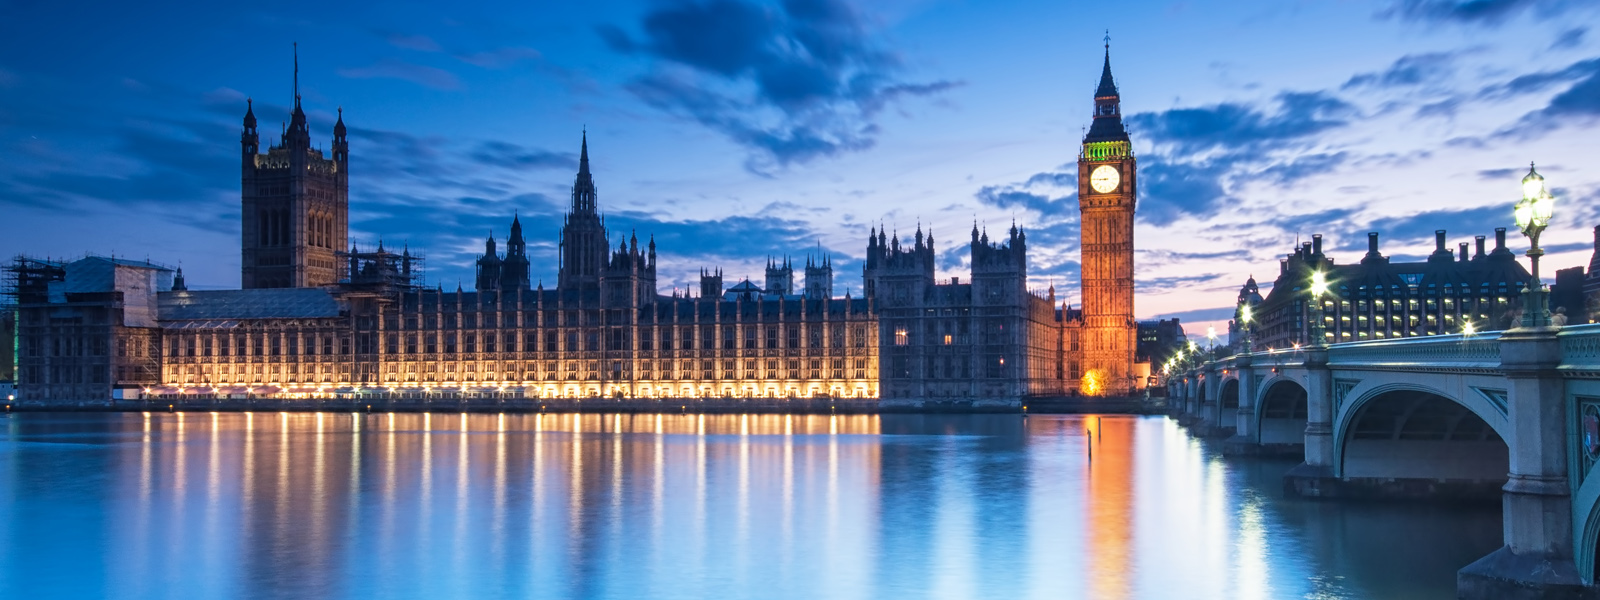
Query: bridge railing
[1457, 350]
[1580, 347]
[1580, 350]
[1286, 357]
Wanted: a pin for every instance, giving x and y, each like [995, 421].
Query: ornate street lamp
[1244, 326]
[1533, 215]
[1319, 286]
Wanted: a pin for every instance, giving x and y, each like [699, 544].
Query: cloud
[1342, 219]
[1199, 151]
[513, 156]
[1306, 166]
[425, 76]
[171, 170]
[1420, 226]
[1006, 197]
[1570, 38]
[1174, 189]
[1220, 313]
[1499, 174]
[1446, 108]
[1579, 103]
[1489, 13]
[1297, 115]
[1408, 70]
[1540, 81]
[417, 42]
[795, 82]
[496, 58]
[1161, 285]
[499, 58]
[1161, 258]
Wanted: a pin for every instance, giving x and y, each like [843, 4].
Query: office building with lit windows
[1377, 298]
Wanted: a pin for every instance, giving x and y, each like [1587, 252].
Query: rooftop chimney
[1372, 257]
[1463, 252]
[1501, 252]
[1440, 253]
[1316, 244]
[1479, 255]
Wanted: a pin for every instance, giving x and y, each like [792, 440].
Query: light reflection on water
[337, 505]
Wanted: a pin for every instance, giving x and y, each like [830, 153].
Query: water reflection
[280, 505]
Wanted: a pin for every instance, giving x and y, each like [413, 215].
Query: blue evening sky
[737, 129]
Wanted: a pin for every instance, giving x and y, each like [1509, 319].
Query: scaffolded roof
[285, 303]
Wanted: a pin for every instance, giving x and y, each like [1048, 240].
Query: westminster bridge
[1513, 414]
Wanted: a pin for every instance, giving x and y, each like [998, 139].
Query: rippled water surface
[335, 505]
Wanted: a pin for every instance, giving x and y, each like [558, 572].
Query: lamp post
[1533, 215]
[1319, 286]
[1211, 338]
[1244, 326]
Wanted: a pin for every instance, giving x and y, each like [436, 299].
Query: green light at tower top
[1102, 150]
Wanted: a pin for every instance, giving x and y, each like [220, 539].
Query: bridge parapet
[1580, 347]
[1431, 353]
[1580, 351]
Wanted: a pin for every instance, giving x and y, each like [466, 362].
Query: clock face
[1105, 179]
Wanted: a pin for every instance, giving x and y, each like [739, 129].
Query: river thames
[336, 505]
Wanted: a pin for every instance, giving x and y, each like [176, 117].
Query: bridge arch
[1281, 411]
[1228, 402]
[1586, 554]
[1419, 441]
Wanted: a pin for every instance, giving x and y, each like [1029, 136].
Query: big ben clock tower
[1107, 194]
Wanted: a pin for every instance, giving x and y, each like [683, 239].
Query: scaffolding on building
[381, 267]
[27, 279]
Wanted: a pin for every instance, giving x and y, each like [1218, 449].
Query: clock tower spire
[1107, 195]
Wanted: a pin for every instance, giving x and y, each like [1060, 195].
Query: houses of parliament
[318, 316]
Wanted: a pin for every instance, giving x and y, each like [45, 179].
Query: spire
[338, 126]
[1107, 126]
[583, 192]
[583, 155]
[297, 135]
[249, 113]
[1108, 85]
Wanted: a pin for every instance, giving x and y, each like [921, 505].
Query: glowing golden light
[1092, 383]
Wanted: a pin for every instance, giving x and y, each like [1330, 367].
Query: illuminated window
[900, 337]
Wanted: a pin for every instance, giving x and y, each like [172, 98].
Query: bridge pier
[1315, 477]
[1245, 439]
[1210, 423]
[1191, 400]
[1537, 559]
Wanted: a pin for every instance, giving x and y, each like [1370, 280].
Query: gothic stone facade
[294, 206]
[342, 322]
